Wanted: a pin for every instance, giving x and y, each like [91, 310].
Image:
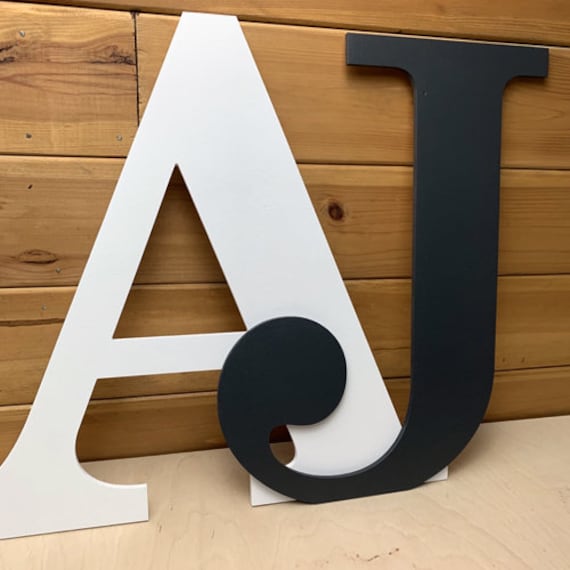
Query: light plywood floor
[506, 506]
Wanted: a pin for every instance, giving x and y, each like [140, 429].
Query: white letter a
[211, 115]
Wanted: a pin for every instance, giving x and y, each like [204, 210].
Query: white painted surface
[209, 114]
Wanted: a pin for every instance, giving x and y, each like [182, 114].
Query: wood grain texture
[51, 208]
[533, 328]
[130, 427]
[34, 317]
[505, 505]
[134, 426]
[68, 81]
[544, 22]
[333, 113]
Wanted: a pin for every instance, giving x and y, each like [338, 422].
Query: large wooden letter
[210, 115]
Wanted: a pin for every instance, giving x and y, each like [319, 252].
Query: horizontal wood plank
[73, 92]
[333, 113]
[546, 21]
[516, 394]
[68, 81]
[533, 328]
[129, 427]
[51, 211]
[51, 208]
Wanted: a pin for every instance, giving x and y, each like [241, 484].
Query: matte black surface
[288, 370]
[458, 88]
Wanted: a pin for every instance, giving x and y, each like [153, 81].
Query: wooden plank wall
[74, 81]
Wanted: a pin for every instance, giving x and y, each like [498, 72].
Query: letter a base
[42, 498]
